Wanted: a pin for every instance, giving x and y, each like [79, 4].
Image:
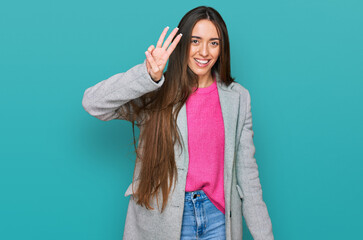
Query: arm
[110, 98]
[254, 208]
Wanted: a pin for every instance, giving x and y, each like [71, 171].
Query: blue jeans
[201, 218]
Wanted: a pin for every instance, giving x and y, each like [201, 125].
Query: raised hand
[157, 57]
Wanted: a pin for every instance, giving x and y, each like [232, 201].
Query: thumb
[148, 66]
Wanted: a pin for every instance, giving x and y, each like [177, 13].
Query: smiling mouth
[202, 61]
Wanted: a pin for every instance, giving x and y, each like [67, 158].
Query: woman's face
[204, 48]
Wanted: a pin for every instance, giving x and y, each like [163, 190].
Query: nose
[203, 50]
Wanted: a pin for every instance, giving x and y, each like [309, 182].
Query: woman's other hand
[156, 58]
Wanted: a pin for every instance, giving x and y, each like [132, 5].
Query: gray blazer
[108, 99]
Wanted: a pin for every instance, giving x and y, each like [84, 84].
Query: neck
[205, 81]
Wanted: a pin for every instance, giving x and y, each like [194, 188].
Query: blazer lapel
[229, 101]
[182, 161]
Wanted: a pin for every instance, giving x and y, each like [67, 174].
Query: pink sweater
[206, 144]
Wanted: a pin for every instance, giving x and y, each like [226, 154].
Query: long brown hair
[159, 133]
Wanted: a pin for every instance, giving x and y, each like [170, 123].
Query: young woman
[195, 153]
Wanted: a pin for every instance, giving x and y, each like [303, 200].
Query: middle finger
[170, 37]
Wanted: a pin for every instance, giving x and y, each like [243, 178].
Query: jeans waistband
[195, 195]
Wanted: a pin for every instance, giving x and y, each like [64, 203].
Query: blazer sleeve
[254, 208]
[110, 98]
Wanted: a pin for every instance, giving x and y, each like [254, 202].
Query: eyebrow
[209, 39]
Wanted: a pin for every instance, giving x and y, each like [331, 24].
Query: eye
[194, 41]
[216, 43]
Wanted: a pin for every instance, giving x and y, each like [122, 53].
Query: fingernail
[147, 53]
[167, 26]
[181, 34]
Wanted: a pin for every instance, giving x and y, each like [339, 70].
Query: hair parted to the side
[160, 109]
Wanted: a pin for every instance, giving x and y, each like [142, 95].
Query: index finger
[173, 44]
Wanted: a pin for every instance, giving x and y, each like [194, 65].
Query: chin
[200, 72]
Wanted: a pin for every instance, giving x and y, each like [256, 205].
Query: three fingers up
[157, 57]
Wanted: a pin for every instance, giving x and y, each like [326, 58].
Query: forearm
[106, 97]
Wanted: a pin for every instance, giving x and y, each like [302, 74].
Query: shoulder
[233, 87]
[239, 89]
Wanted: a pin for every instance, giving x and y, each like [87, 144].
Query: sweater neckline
[208, 89]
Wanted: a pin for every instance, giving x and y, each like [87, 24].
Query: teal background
[63, 173]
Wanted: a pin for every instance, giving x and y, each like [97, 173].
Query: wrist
[155, 80]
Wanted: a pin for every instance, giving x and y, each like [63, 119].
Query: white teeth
[200, 61]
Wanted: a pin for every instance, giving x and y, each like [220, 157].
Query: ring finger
[161, 38]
